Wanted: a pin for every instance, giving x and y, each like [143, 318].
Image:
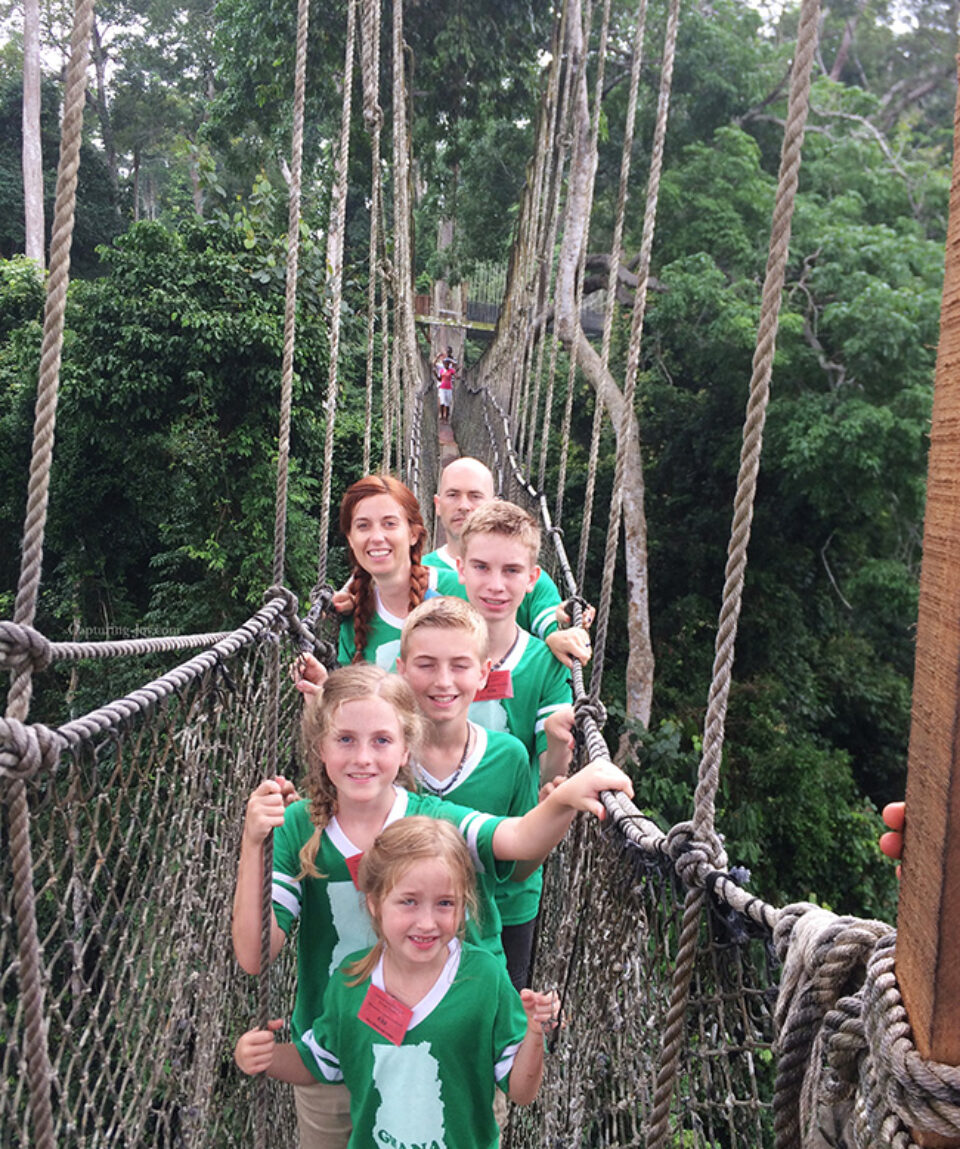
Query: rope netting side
[137, 811]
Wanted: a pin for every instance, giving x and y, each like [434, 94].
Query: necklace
[513, 646]
[454, 778]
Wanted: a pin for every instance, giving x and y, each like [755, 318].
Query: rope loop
[924, 1093]
[26, 750]
[22, 646]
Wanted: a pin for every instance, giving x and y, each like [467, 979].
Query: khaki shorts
[323, 1115]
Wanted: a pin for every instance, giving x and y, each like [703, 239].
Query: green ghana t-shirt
[331, 912]
[497, 777]
[383, 637]
[435, 1089]
[540, 686]
[538, 611]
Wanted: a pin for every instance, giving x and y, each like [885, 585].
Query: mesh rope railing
[136, 811]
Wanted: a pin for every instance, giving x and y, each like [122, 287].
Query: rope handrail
[116, 714]
[22, 644]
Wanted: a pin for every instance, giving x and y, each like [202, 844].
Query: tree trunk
[583, 164]
[32, 151]
[103, 112]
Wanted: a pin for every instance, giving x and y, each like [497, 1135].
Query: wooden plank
[928, 938]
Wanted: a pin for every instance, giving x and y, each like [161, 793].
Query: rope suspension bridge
[696, 1013]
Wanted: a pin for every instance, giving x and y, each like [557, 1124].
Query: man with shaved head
[464, 484]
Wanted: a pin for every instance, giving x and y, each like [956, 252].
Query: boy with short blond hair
[443, 657]
[527, 690]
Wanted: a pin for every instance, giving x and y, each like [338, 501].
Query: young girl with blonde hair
[358, 736]
[422, 1008]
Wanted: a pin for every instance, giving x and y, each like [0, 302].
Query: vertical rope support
[612, 280]
[673, 1034]
[409, 372]
[30, 978]
[636, 336]
[709, 771]
[708, 774]
[280, 524]
[575, 62]
[290, 300]
[338, 209]
[373, 118]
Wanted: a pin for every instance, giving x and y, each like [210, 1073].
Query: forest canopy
[161, 508]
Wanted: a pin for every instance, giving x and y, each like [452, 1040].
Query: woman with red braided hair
[381, 521]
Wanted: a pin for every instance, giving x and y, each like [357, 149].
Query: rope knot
[686, 853]
[373, 117]
[586, 707]
[22, 647]
[26, 750]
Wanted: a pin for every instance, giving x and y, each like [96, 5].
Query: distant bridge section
[480, 297]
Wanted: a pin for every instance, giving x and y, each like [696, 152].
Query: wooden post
[928, 938]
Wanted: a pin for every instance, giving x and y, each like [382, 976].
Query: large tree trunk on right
[32, 151]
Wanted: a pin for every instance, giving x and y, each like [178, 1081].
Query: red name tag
[353, 865]
[385, 1015]
[499, 685]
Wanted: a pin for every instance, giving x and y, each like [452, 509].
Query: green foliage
[169, 523]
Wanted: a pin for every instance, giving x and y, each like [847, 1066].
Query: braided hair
[361, 585]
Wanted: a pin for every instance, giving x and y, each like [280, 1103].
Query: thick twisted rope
[18, 700]
[845, 1046]
[708, 775]
[22, 645]
[338, 207]
[709, 770]
[373, 119]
